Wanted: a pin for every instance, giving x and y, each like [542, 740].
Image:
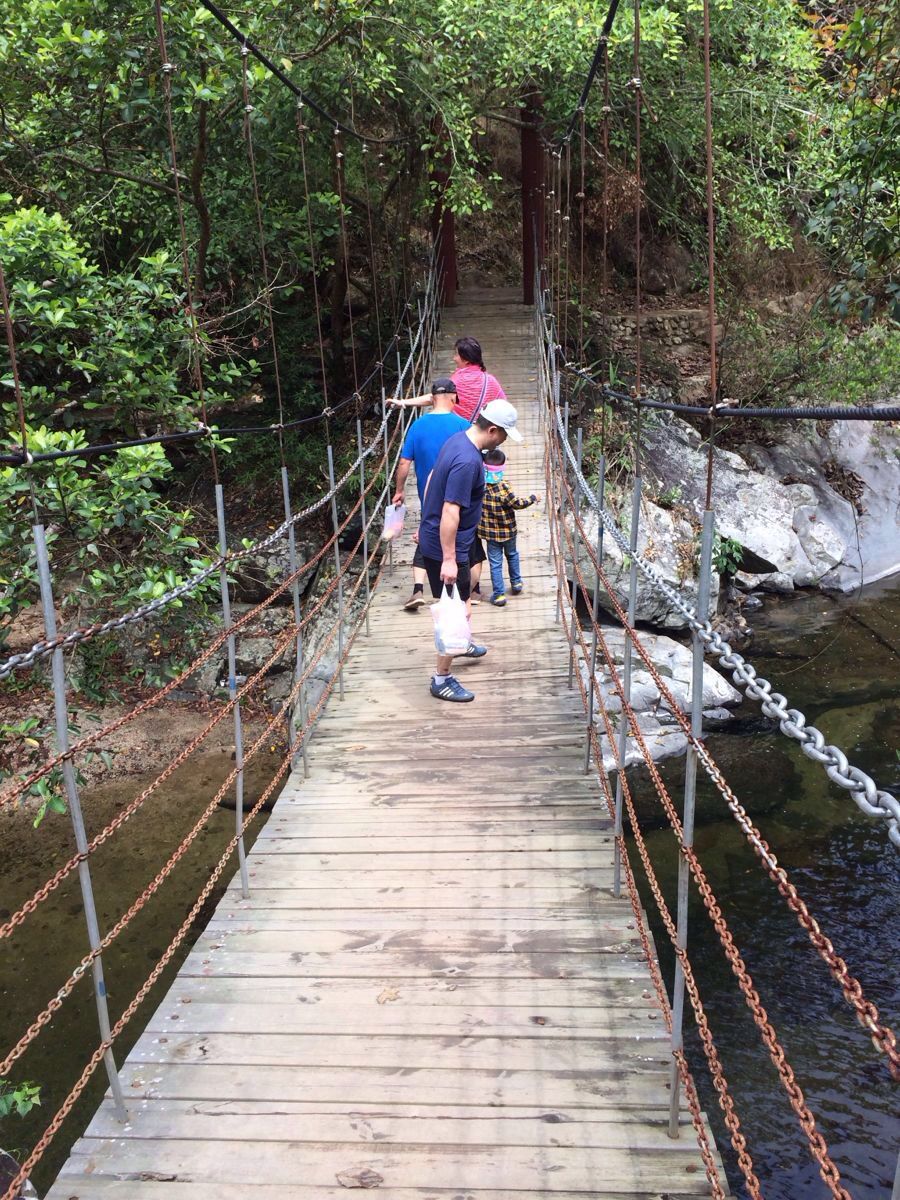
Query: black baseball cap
[443, 387]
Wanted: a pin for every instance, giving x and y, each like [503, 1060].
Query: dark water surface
[37, 960]
[839, 662]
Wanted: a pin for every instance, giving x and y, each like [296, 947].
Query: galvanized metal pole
[362, 511]
[337, 567]
[232, 692]
[626, 681]
[595, 613]
[387, 465]
[704, 587]
[299, 707]
[579, 449]
[561, 495]
[61, 710]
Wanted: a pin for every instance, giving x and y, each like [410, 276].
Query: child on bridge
[498, 527]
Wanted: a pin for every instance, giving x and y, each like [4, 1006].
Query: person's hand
[395, 401]
[415, 536]
[398, 498]
[534, 499]
[449, 571]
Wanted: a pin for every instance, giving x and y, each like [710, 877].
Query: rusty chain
[817, 1145]
[883, 1037]
[720, 1083]
[97, 1057]
[91, 739]
[54, 1005]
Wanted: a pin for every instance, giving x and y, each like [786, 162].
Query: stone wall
[666, 327]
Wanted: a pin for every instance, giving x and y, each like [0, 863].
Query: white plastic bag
[394, 516]
[451, 623]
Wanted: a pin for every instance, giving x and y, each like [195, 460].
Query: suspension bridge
[432, 974]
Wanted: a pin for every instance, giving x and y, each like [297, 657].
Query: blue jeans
[495, 552]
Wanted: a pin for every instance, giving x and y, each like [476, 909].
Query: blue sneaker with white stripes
[472, 651]
[451, 689]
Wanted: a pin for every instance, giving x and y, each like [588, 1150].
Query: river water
[839, 662]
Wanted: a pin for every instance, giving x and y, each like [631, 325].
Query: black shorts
[433, 568]
[476, 555]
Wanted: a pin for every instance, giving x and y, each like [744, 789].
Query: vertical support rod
[626, 681]
[337, 567]
[561, 493]
[690, 793]
[579, 450]
[232, 691]
[299, 709]
[595, 613]
[387, 465]
[61, 710]
[362, 513]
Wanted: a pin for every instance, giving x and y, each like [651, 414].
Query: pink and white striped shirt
[469, 381]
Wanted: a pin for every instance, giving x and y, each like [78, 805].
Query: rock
[255, 576]
[778, 524]
[864, 453]
[670, 542]
[674, 663]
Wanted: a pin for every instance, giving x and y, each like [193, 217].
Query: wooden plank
[241, 1120]
[382, 1015]
[551, 1170]
[167, 1187]
[431, 989]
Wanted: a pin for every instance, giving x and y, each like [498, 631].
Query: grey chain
[872, 800]
[41, 649]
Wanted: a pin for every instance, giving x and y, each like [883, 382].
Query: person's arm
[412, 401]
[400, 482]
[449, 526]
[513, 501]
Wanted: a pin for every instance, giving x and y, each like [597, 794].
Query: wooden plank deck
[431, 991]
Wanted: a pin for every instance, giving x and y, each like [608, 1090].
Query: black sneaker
[451, 689]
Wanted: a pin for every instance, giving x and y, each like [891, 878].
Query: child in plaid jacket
[498, 527]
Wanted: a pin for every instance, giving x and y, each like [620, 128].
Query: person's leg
[515, 567]
[476, 562]
[417, 599]
[495, 558]
[443, 685]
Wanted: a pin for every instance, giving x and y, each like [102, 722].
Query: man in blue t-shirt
[450, 514]
[423, 443]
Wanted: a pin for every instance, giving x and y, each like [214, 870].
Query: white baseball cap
[502, 414]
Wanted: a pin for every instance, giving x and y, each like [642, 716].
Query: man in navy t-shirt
[450, 515]
[422, 445]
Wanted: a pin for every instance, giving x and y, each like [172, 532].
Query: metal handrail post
[362, 511]
[232, 693]
[626, 681]
[387, 465]
[579, 450]
[61, 710]
[704, 588]
[595, 613]
[337, 567]
[300, 707]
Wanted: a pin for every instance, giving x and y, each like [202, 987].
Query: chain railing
[369, 483]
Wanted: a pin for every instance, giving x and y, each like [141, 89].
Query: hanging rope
[167, 68]
[636, 84]
[345, 247]
[711, 257]
[581, 202]
[248, 137]
[242, 38]
[301, 137]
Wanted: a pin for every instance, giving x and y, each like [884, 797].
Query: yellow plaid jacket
[498, 517]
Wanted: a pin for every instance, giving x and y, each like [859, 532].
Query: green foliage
[19, 1098]
[113, 546]
[726, 554]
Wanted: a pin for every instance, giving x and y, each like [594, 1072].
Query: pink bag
[394, 516]
[451, 622]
